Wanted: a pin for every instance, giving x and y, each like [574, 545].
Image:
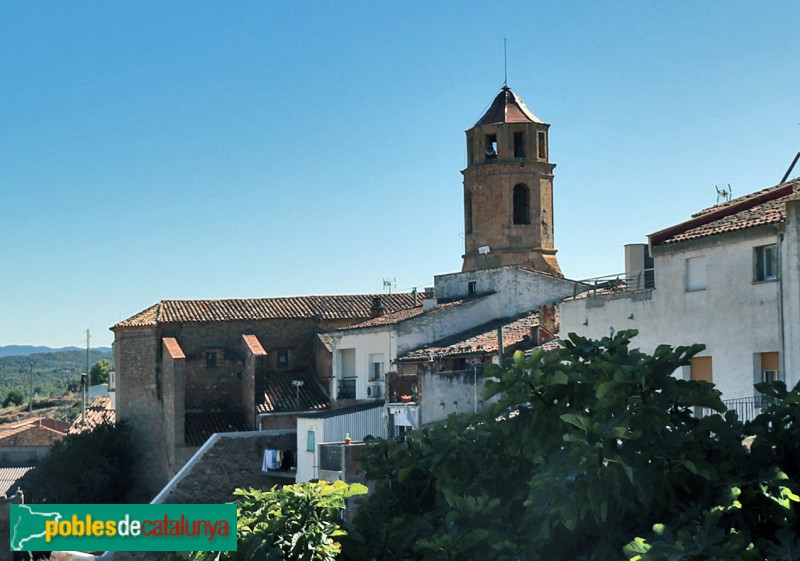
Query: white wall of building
[734, 316]
[368, 345]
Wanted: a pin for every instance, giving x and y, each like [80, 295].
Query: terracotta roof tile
[173, 348]
[402, 315]
[98, 413]
[347, 307]
[480, 340]
[280, 395]
[254, 345]
[30, 432]
[761, 208]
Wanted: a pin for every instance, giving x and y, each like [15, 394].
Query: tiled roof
[507, 107]
[327, 341]
[10, 479]
[480, 340]
[98, 413]
[402, 315]
[347, 307]
[30, 432]
[762, 208]
[386, 319]
[200, 425]
[280, 395]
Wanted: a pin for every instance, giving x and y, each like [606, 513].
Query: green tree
[14, 397]
[96, 466]
[591, 452]
[296, 522]
[98, 374]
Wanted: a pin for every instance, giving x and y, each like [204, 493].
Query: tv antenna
[724, 192]
[389, 284]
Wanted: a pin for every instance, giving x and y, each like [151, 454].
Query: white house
[729, 278]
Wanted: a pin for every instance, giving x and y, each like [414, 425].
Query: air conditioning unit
[375, 389]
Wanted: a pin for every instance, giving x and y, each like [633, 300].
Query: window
[472, 288]
[376, 367]
[700, 369]
[311, 437]
[542, 145]
[522, 204]
[765, 260]
[519, 144]
[490, 148]
[696, 273]
[211, 360]
[468, 212]
[769, 367]
[283, 358]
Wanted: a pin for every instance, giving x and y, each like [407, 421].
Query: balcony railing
[621, 282]
[347, 388]
[747, 408]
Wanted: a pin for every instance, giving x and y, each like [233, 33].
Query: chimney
[547, 317]
[377, 307]
[430, 301]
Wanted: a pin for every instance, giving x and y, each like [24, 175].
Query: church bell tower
[508, 190]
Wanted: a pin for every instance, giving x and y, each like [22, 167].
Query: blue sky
[158, 150]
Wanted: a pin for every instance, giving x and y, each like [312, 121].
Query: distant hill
[24, 350]
[52, 370]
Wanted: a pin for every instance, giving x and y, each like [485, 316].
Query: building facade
[727, 278]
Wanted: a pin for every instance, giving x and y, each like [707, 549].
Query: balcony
[346, 388]
[399, 385]
[613, 284]
[747, 408]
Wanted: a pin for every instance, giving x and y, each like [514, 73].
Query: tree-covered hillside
[52, 372]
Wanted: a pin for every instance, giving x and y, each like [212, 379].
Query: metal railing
[621, 282]
[747, 408]
[347, 388]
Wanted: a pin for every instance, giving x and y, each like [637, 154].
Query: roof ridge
[734, 207]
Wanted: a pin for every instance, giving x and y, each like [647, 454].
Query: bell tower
[508, 190]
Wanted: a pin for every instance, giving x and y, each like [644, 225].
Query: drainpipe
[781, 334]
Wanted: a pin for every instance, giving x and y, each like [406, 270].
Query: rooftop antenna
[389, 284]
[505, 63]
[724, 192]
[791, 167]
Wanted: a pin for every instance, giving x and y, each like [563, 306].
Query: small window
[211, 361]
[519, 144]
[700, 369]
[769, 367]
[696, 274]
[283, 358]
[522, 204]
[765, 260]
[311, 437]
[472, 288]
[376, 367]
[490, 148]
[542, 145]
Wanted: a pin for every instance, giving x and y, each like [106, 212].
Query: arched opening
[522, 204]
[468, 212]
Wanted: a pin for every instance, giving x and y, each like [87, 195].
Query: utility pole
[85, 382]
[30, 400]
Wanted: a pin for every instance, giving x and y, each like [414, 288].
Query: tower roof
[507, 107]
